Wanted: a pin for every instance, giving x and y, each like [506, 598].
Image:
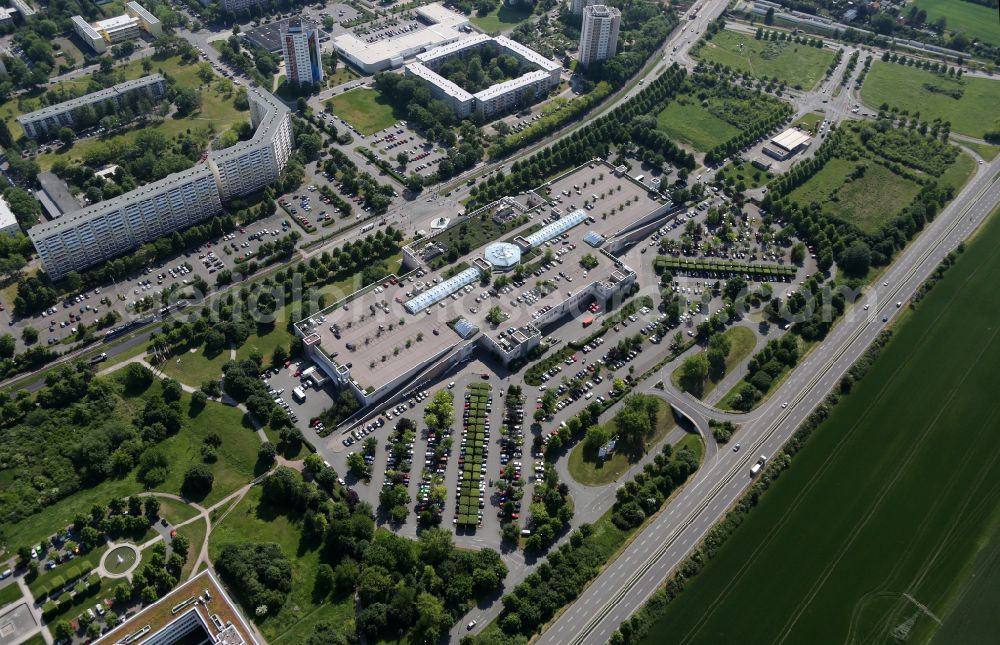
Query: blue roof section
[439, 292]
[594, 239]
[502, 254]
[557, 227]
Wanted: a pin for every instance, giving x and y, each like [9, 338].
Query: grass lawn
[175, 512]
[745, 172]
[906, 88]
[741, 343]
[195, 367]
[37, 639]
[975, 21]
[797, 65]
[585, 469]
[685, 120]
[809, 121]
[256, 522]
[851, 200]
[237, 456]
[959, 172]
[367, 110]
[217, 109]
[343, 74]
[339, 289]
[984, 150]
[195, 533]
[502, 18]
[898, 492]
[10, 593]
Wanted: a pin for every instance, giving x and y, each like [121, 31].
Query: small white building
[787, 144]
[8, 223]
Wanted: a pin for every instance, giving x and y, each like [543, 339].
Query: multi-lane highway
[626, 584]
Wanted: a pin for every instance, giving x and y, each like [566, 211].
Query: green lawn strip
[195, 533]
[590, 473]
[809, 121]
[10, 593]
[37, 639]
[175, 511]
[976, 21]
[367, 110]
[745, 172]
[796, 64]
[959, 172]
[685, 120]
[252, 521]
[500, 18]
[907, 89]
[274, 437]
[984, 150]
[896, 492]
[66, 572]
[726, 402]
[741, 343]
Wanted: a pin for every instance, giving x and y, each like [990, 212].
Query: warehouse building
[787, 144]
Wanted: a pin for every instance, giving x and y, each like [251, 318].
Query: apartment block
[117, 29]
[45, 121]
[117, 226]
[300, 47]
[599, 35]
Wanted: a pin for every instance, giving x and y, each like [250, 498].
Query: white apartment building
[599, 35]
[127, 26]
[576, 6]
[497, 98]
[119, 225]
[8, 222]
[300, 47]
[40, 122]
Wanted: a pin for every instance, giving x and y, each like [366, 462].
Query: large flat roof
[790, 139]
[445, 29]
[369, 314]
[6, 215]
[90, 99]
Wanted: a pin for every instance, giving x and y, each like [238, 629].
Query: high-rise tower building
[599, 35]
[300, 45]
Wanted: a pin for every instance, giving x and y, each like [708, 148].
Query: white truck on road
[757, 466]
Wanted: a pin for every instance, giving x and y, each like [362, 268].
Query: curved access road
[627, 583]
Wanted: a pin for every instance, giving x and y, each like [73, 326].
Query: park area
[886, 513]
[977, 21]
[968, 103]
[797, 65]
[367, 110]
[740, 342]
[501, 18]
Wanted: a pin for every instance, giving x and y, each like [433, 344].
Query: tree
[172, 390]
[597, 436]
[325, 580]
[187, 101]
[151, 506]
[266, 454]
[67, 136]
[63, 631]
[495, 316]
[857, 259]
[29, 335]
[403, 159]
[694, 371]
[180, 545]
[198, 481]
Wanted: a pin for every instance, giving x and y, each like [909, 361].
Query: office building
[117, 29]
[196, 611]
[46, 121]
[111, 228]
[599, 34]
[300, 47]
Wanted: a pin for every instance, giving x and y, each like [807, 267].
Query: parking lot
[387, 28]
[423, 156]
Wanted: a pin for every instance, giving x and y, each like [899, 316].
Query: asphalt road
[628, 582]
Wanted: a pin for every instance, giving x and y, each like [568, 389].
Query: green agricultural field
[366, 110]
[908, 88]
[502, 18]
[898, 492]
[252, 521]
[686, 121]
[797, 65]
[974, 20]
[852, 200]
